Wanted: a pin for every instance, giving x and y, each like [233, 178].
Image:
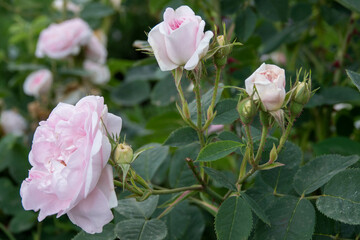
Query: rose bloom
[38, 82]
[69, 173]
[100, 74]
[179, 39]
[269, 81]
[64, 39]
[95, 50]
[13, 123]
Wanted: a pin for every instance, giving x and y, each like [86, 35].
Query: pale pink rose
[64, 39]
[69, 173]
[269, 81]
[180, 39]
[95, 50]
[70, 6]
[13, 123]
[38, 82]
[100, 74]
[213, 128]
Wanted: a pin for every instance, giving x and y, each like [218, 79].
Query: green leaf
[9, 198]
[334, 95]
[217, 150]
[6, 146]
[291, 219]
[256, 208]
[164, 93]
[146, 73]
[245, 24]
[96, 10]
[107, 234]
[280, 177]
[319, 171]
[226, 112]
[220, 178]
[205, 103]
[141, 229]
[341, 197]
[196, 224]
[182, 136]
[275, 10]
[180, 174]
[149, 161]
[337, 145]
[234, 219]
[355, 77]
[131, 93]
[130, 208]
[157, 5]
[353, 5]
[22, 221]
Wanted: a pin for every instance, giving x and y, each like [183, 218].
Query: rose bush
[269, 81]
[180, 39]
[69, 173]
[38, 82]
[64, 39]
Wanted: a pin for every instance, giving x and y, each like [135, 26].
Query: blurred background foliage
[321, 35]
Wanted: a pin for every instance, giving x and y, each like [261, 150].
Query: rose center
[176, 23]
[270, 75]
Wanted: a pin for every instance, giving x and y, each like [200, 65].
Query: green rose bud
[221, 55]
[302, 93]
[273, 154]
[123, 154]
[247, 110]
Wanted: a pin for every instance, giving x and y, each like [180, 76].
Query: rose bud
[300, 97]
[220, 57]
[269, 81]
[64, 39]
[180, 39]
[100, 74]
[247, 110]
[13, 123]
[123, 154]
[38, 83]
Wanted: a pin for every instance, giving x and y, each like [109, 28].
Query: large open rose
[64, 39]
[69, 173]
[269, 81]
[180, 39]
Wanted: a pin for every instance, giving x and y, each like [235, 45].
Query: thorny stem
[206, 189]
[199, 117]
[264, 132]
[285, 136]
[250, 144]
[217, 79]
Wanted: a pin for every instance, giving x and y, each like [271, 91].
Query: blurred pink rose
[269, 81]
[38, 82]
[61, 40]
[95, 50]
[13, 123]
[69, 173]
[100, 74]
[215, 128]
[179, 39]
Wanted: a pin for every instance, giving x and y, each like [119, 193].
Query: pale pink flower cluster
[69, 173]
[180, 39]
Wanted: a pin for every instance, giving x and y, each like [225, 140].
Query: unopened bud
[302, 93]
[273, 154]
[247, 110]
[123, 154]
[221, 55]
[221, 40]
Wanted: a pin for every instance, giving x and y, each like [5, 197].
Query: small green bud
[302, 93]
[247, 110]
[221, 55]
[296, 108]
[273, 154]
[123, 154]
